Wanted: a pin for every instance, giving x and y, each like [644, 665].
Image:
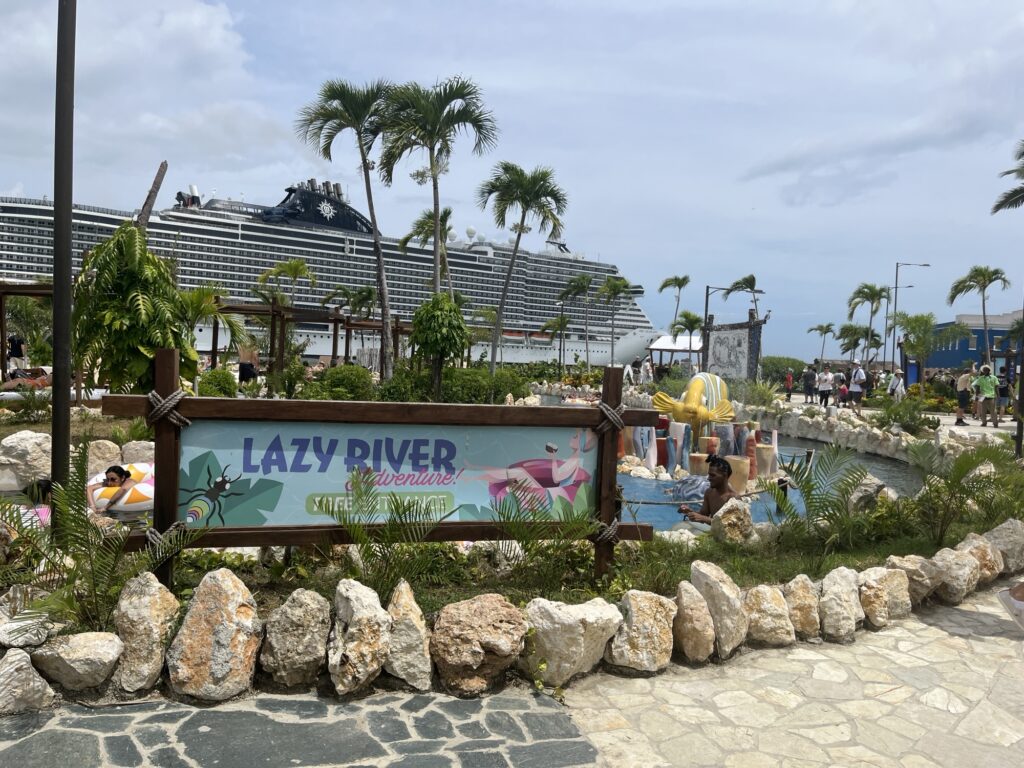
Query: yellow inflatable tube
[705, 401]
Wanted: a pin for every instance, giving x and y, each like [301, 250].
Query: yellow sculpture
[706, 400]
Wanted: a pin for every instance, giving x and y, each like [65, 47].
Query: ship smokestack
[327, 188]
[337, 190]
[312, 185]
[193, 190]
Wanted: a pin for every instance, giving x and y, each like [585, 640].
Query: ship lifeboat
[541, 336]
[514, 336]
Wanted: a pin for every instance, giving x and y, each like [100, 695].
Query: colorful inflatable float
[133, 505]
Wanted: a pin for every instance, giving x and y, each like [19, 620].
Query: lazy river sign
[257, 474]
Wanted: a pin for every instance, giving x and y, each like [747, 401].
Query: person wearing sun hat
[897, 388]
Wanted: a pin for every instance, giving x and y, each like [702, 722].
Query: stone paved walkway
[514, 728]
[942, 688]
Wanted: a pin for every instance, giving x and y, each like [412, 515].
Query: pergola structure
[36, 290]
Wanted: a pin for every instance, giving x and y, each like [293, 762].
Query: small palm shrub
[907, 414]
[219, 382]
[761, 393]
[34, 405]
[137, 429]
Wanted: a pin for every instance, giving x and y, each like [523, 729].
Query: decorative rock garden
[223, 648]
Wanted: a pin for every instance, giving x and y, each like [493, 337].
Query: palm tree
[429, 120]
[979, 279]
[611, 290]
[678, 283]
[530, 193]
[686, 322]
[1014, 198]
[872, 295]
[746, 284]
[851, 335]
[921, 338]
[422, 231]
[360, 302]
[579, 286]
[343, 106]
[199, 306]
[294, 270]
[826, 330]
[556, 326]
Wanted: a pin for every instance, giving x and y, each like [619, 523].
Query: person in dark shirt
[15, 352]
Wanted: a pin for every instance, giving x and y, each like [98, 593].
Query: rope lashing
[154, 537]
[166, 408]
[612, 417]
[608, 532]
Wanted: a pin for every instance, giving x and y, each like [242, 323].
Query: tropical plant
[83, 567]
[428, 120]
[872, 296]
[826, 330]
[220, 382]
[578, 287]
[677, 283]
[293, 270]
[360, 302]
[826, 486]
[344, 382]
[199, 306]
[525, 194]
[921, 337]
[126, 306]
[137, 430]
[689, 323]
[775, 367]
[747, 284]
[978, 280]
[852, 335]
[907, 414]
[422, 231]
[954, 486]
[343, 106]
[388, 532]
[1013, 198]
[761, 393]
[612, 289]
[557, 327]
[438, 333]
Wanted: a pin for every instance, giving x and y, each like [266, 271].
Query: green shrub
[219, 382]
[346, 382]
[405, 386]
[908, 414]
[137, 429]
[509, 381]
[773, 368]
[466, 385]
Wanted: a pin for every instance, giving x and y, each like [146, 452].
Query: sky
[814, 143]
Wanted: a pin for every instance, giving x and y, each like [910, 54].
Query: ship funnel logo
[327, 210]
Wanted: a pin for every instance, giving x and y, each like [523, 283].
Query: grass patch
[93, 429]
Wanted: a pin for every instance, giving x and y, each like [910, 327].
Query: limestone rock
[78, 662]
[693, 627]
[20, 634]
[802, 598]
[103, 454]
[724, 603]
[1008, 538]
[839, 605]
[767, 533]
[732, 524]
[990, 559]
[213, 656]
[960, 574]
[296, 644]
[138, 451]
[409, 659]
[768, 616]
[865, 496]
[884, 595]
[644, 640]
[144, 618]
[642, 472]
[682, 536]
[26, 454]
[21, 687]
[361, 639]
[923, 574]
[475, 641]
[570, 639]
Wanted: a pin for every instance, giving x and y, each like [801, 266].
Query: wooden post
[396, 339]
[214, 344]
[166, 455]
[607, 459]
[334, 340]
[273, 346]
[348, 340]
[282, 340]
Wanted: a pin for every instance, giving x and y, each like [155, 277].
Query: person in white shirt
[825, 383]
[857, 380]
[897, 388]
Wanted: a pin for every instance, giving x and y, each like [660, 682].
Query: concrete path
[942, 688]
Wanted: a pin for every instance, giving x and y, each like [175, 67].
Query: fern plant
[81, 566]
[392, 549]
[826, 486]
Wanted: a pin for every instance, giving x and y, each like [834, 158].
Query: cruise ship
[232, 243]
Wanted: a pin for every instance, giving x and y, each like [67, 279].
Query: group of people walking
[848, 389]
[983, 395]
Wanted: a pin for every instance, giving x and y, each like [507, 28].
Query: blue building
[973, 348]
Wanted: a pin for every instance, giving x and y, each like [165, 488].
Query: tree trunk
[500, 314]
[586, 328]
[147, 207]
[754, 297]
[821, 359]
[612, 361]
[679, 294]
[437, 221]
[387, 350]
[984, 322]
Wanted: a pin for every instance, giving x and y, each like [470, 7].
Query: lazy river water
[651, 501]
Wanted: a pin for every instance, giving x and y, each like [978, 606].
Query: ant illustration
[206, 502]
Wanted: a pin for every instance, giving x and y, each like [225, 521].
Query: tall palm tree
[851, 336]
[294, 270]
[611, 290]
[979, 279]
[199, 306]
[579, 287]
[360, 302]
[422, 231]
[343, 106]
[530, 194]
[826, 330]
[1013, 198]
[556, 326]
[871, 295]
[429, 120]
[746, 284]
[678, 283]
[689, 323]
[921, 338]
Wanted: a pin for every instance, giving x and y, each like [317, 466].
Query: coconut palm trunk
[821, 358]
[386, 347]
[984, 325]
[586, 329]
[499, 320]
[437, 220]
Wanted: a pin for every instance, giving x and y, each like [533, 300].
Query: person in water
[717, 495]
[115, 477]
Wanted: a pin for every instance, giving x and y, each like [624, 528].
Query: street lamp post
[885, 346]
[896, 301]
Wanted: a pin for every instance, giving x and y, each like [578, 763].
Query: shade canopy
[680, 343]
